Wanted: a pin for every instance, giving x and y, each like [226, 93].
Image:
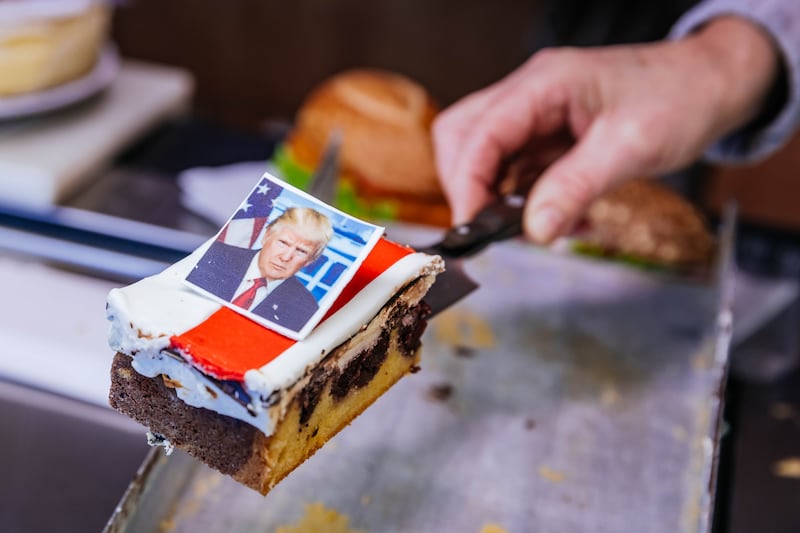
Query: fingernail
[546, 223]
[459, 216]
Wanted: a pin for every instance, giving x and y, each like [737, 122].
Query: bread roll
[387, 152]
[645, 220]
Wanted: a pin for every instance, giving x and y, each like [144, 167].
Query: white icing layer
[146, 314]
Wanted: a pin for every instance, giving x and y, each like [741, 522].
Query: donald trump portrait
[262, 281]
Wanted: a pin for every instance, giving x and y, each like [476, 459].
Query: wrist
[744, 67]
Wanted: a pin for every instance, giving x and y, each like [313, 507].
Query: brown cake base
[319, 405]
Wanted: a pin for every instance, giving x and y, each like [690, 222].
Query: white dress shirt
[253, 272]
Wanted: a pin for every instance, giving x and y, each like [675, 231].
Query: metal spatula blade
[450, 286]
[497, 221]
[500, 220]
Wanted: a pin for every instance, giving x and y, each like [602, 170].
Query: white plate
[100, 77]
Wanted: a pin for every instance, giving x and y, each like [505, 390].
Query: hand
[633, 111]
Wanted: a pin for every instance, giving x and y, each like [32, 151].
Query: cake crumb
[463, 330]
[788, 468]
[440, 392]
[142, 335]
[493, 528]
[464, 351]
[171, 383]
[551, 475]
[320, 519]
[157, 439]
[530, 423]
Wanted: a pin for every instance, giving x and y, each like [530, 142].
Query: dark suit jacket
[220, 272]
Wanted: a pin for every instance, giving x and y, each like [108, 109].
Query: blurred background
[255, 61]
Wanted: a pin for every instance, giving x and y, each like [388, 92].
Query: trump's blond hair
[308, 223]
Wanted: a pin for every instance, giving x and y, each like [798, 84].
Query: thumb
[565, 190]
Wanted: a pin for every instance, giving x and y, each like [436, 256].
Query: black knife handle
[499, 220]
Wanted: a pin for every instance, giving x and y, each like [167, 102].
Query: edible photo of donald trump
[283, 257]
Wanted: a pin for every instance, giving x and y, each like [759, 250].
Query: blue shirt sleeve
[781, 19]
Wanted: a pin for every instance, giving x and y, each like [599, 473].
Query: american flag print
[247, 223]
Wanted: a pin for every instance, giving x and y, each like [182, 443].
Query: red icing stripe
[227, 344]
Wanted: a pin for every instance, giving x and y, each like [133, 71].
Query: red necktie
[245, 300]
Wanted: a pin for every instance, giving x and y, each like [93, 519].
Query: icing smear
[144, 317]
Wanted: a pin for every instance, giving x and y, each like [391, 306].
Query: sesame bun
[387, 151]
[645, 220]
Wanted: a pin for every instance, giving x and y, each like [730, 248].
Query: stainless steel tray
[565, 395]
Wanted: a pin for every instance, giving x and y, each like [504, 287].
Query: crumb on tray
[440, 392]
[551, 475]
[320, 519]
[493, 528]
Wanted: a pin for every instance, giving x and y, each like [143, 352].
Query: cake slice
[245, 400]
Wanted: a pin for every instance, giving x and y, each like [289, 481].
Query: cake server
[499, 220]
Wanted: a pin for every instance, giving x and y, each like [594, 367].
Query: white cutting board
[43, 159]
[61, 346]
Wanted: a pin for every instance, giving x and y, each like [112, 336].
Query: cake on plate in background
[47, 43]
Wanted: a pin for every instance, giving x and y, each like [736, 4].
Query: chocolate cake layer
[219, 441]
